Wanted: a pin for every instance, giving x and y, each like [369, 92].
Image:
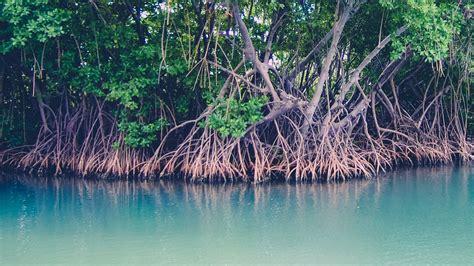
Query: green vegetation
[233, 117]
[250, 89]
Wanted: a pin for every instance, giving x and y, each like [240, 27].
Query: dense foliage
[137, 71]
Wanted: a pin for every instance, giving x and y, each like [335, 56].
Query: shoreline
[180, 177]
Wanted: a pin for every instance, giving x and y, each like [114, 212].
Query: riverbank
[211, 92]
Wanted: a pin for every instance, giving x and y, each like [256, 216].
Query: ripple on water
[424, 215]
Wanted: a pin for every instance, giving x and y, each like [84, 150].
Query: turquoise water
[409, 216]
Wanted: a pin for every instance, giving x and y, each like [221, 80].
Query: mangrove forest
[249, 90]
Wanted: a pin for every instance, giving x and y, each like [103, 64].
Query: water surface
[409, 216]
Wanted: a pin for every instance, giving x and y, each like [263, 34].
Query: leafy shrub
[141, 135]
[232, 117]
[431, 27]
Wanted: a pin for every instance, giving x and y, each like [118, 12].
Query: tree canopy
[304, 88]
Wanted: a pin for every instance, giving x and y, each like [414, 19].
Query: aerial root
[276, 150]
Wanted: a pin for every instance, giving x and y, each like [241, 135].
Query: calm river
[424, 215]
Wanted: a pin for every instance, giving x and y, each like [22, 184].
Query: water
[410, 216]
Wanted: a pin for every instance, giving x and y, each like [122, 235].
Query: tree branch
[275, 25]
[324, 74]
[303, 62]
[250, 53]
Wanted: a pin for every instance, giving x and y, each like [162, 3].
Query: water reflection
[66, 191]
[406, 212]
